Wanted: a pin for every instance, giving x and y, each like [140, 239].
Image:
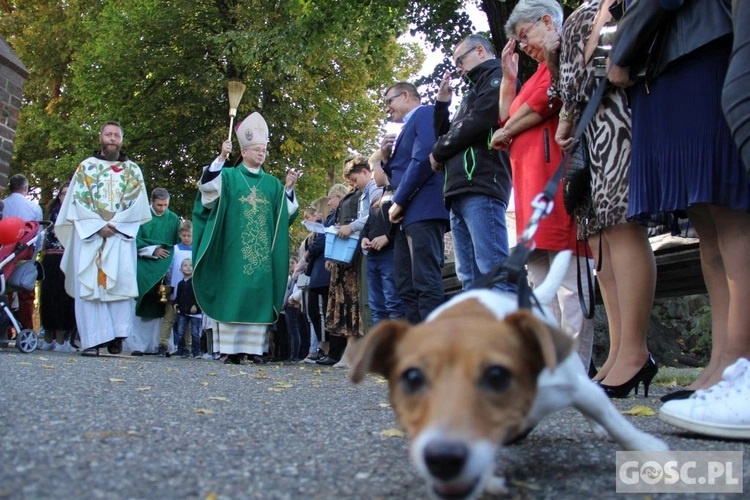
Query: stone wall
[678, 327]
[13, 75]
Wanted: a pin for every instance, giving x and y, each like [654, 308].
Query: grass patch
[669, 376]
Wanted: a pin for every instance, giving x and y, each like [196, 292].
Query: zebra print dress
[608, 134]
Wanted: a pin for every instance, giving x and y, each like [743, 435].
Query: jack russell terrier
[478, 373]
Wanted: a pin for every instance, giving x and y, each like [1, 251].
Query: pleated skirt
[682, 152]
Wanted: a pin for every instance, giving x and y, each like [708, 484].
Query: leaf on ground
[284, 385]
[384, 405]
[204, 384]
[204, 411]
[380, 380]
[640, 411]
[211, 374]
[276, 389]
[43, 358]
[218, 398]
[528, 486]
[211, 495]
[146, 388]
[392, 433]
[106, 434]
[115, 380]
[26, 363]
[171, 369]
[48, 367]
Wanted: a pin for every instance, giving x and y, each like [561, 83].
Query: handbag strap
[588, 114]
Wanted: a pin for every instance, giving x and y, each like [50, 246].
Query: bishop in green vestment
[241, 224]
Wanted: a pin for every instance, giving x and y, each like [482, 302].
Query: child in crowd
[188, 312]
[182, 251]
[377, 243]
[292, 314]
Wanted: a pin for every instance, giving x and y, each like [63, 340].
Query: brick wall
[13, 75]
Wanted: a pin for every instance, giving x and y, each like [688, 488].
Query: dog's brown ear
[554, 345]
[375, 352]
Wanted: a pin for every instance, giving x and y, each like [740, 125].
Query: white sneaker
[48, 346]
[208, 357]
[65, 347]
[722, 410]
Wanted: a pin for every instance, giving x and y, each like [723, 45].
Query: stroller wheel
[27, 341]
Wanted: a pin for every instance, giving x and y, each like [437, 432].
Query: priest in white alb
[98, 222]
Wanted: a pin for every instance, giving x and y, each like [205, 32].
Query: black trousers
[417, 267]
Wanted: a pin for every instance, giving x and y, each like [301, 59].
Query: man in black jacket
[477, 178]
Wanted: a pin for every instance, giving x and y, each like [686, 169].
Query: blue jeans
[183, 320]
[381, 289]
[480, 237]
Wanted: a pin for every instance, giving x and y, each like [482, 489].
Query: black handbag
[577, 177]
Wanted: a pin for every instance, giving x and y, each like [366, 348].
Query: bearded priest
[97, 224]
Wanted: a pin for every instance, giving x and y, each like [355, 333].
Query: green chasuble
[163, 231]
[241, 249]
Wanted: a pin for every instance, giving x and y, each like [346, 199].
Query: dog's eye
[412, 380]
[495, 378]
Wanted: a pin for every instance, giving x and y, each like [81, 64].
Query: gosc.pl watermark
[679, 472]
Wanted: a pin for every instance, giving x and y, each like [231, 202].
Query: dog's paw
[496, 486]
[647, 442]
[597, 429]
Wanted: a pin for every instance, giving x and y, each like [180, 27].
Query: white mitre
[252, 130]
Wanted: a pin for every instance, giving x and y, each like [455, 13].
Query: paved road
[123, 427]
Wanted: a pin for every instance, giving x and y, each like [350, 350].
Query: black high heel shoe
[645, 375]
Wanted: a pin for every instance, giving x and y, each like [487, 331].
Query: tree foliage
[315, 69]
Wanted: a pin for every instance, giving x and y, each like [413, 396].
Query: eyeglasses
[460, 59]
[523, 36]
[389, 100]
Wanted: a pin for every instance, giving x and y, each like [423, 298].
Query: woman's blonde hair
[338, 190]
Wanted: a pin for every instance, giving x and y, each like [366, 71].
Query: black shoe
[313, 358]
[233, 359]
[136, 353]
[258, 359]
[645, 375]
[115, 346]
[327, 361]
[681, 394]
[162, 351]
[91, 351]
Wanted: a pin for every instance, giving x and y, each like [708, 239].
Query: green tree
[315, 69]
[161, 69]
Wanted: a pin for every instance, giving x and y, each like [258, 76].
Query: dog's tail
[546, 290]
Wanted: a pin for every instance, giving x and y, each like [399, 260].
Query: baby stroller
[18, 272]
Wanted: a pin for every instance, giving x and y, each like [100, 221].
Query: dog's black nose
[445, 459]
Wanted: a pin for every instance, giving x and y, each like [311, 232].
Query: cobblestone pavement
[119, 427]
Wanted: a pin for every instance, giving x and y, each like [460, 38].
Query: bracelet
[506, 135]
[566, 116]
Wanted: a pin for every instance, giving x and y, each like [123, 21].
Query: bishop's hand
[226, 149]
